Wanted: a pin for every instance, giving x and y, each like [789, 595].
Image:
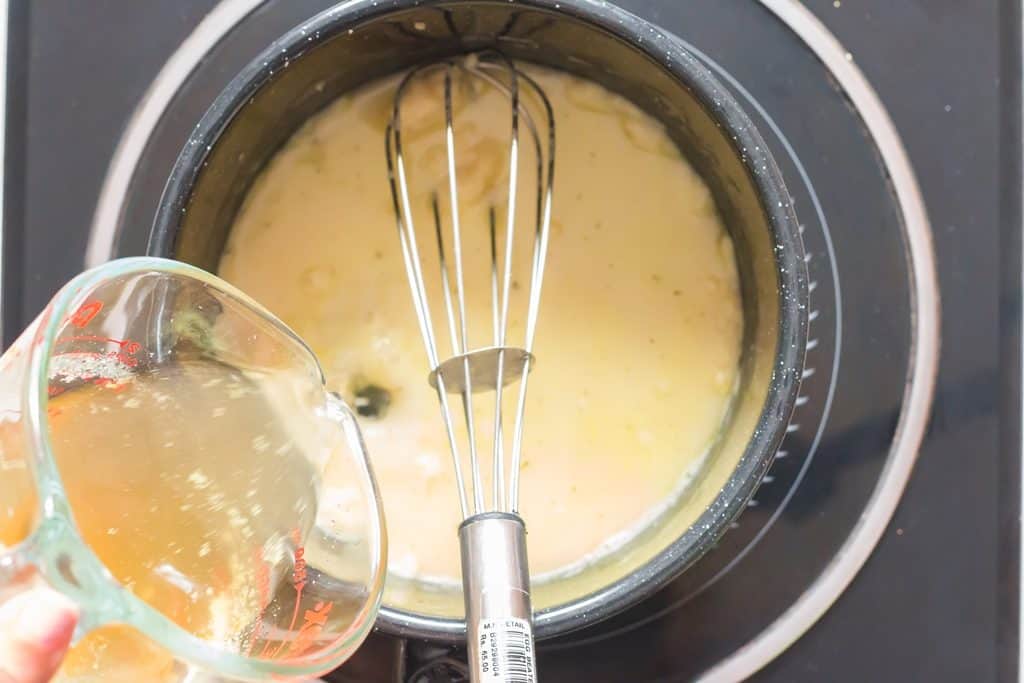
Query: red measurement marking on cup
[127, 345]
[299, 573]
[127, 348]
[313, 622]
[85, 313]
[299, 582]
[115, 386]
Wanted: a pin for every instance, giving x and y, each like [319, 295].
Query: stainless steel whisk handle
[496, 585]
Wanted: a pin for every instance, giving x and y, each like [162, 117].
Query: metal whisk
[492, 536]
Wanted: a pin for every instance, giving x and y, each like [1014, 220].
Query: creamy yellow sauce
[638, 337]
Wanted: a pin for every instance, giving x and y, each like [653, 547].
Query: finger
[35, 631]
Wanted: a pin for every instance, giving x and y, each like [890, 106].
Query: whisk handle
[496, 585]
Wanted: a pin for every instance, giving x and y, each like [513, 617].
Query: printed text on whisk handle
[506, 651]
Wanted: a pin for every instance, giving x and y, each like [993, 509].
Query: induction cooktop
[884, 542]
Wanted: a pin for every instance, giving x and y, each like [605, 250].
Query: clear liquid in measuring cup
[198, 494]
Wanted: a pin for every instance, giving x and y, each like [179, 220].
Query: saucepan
[362, 40]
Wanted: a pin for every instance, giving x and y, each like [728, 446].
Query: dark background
[938, 600]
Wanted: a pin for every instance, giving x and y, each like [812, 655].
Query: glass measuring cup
[171, 460]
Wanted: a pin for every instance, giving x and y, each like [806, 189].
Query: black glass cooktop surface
[937, 596]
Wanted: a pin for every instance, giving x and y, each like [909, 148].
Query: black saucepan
[362, 40]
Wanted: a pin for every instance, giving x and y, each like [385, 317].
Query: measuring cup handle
[53, 555]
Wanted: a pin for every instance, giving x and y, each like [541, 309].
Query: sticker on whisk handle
[506, 651]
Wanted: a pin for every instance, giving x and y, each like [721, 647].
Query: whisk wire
[446, 289]
[410, 256]
[510, 228]
[462, 346]
[494, 268]
[540, 253]
[483, 67]
[545, 178]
